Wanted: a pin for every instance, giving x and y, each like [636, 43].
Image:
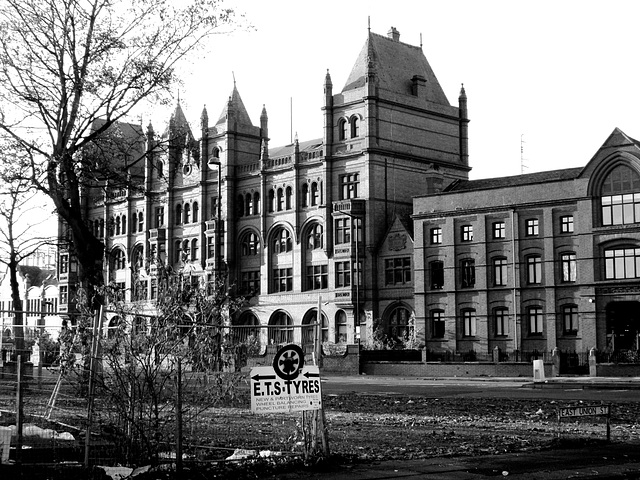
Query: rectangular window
[468, 273]
[437, 324]
[622, 263]
[250, 282]
[64, 295]
[532, 227]
[568, 264]
[437, 275]
[499, 230]
[534, 270]
[159, 217]
[621, 209]
[154, 288]
[566, 224]
[343, 230]
[282, 280]
[211, 247]
[500, 278]
[467, 233]
[469, 323]
[436, 236]
[570, 319]
[317, 277]
[501, 319]
[397, 271]
[64, 263]
[349, 186]
[535, 321]
[343, 274]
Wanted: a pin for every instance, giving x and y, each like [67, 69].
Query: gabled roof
[306, 146]
[395, 64]
[240, 112]
[514, 181]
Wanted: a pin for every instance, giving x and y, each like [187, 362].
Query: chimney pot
[394, 34]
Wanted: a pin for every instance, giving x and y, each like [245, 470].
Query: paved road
[557, 389]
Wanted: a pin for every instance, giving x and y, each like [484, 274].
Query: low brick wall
[443, 370]
[617, 370]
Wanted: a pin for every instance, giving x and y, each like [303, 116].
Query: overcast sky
[561, 75]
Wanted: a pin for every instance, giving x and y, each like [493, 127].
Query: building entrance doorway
[623, 325]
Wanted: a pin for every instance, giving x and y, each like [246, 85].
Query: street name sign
[272, 394]
[584, 411]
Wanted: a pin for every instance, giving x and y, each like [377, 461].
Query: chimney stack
[394, 34]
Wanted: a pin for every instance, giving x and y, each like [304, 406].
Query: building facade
[533, 262]
[327, 218]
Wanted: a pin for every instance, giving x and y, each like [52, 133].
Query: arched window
[187, 213]
[185, 249]
[178, 251]
[315, 194]
[309, 332]
[282, 331]
[141, 221]
[250, 244]
[289, 198]
[117, 221]
[342, 129]
[272, 201]
[114, 326]
[179, 214]
[194, 249]
[280, 194]
[282, 241]
[216, 152]
[247, 330]
[315, 237]
[621, 196]
[137, 257]
[134, 223]
[124, 224]
[341, 327]
[160, 168]
[195, 211]
[355, 126]
[118, 261]
[398, 324]
[305, 195]
[256, 203]
[248, 205]
[102, 228]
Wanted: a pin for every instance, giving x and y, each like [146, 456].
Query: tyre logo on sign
[288, 362]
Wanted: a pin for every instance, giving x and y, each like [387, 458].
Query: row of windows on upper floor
[500, 322]
[619, 263]
[188, 212]
[499, 230]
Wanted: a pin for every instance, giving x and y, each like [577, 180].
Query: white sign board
[584, 411]
[272, 394]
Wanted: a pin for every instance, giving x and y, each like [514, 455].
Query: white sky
[563, 74]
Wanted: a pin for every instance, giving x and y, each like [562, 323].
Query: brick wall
[443, 370]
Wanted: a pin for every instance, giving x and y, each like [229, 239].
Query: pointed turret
[234, 111]
[204, 119]
[328, 89]
[328, 112]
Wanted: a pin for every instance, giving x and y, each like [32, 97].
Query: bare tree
[72, 69]
[21, 216]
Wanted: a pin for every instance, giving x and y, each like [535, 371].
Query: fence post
[19, 412]
[179, 417]
[593, 365]
[496, 354]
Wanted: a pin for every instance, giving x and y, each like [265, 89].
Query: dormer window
[621, 197]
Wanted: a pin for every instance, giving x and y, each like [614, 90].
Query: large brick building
[533, 262]
[326, 217]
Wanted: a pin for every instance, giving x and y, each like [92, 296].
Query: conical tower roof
[239, 111]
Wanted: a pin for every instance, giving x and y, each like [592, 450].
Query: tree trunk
[18, 328]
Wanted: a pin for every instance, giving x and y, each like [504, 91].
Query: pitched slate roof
[514, 181]
[395, 63]
[242, 117]
[306, 146]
